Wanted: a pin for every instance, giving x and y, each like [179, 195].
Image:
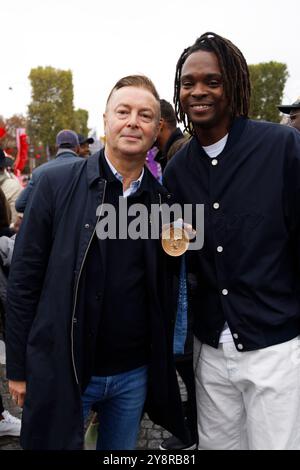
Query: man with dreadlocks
[246, 303]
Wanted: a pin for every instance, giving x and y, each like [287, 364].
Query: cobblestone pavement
[150, 435]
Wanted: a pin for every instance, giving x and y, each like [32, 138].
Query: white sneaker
[10, 426]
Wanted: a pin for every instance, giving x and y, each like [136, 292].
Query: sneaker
[10, 426]
[173, 443]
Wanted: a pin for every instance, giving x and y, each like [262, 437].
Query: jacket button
[75, 320]
[169, 196]
[214, 162]
[98, 296]
[220, 249]
[216, 206]
[225, 292]
[240, 347]
[236, 336]
[87, 226]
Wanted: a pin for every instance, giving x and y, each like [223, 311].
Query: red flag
[22, 153]
[2, 132]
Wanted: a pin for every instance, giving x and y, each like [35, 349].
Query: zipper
[77, 285]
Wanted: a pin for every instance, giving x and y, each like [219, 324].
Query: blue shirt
[134, 185]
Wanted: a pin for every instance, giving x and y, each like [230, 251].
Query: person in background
[9, 185]
[152, 165]
[84, 145]
[67, 145]
[5, 217]
[170, 137]
[293, 110]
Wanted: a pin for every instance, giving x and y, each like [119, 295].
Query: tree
[51, 108]
[267, 81]
[81, 117]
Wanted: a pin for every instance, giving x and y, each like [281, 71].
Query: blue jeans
[120, 401]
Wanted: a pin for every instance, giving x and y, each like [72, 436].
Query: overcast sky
[103, 40]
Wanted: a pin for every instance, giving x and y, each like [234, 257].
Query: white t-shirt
[213, 151]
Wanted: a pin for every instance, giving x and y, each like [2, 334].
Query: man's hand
[179, 223]
[17, 389]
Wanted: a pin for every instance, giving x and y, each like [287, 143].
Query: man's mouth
[201, 107]
[133, 137]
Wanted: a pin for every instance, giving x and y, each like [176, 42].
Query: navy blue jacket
[46, 320]
[248, 270]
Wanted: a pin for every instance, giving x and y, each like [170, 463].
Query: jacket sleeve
[26, 278]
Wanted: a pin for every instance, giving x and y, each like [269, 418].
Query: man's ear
[104, 120]
[160, 127]
[161, 124]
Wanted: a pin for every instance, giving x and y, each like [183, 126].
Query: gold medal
[175, 241]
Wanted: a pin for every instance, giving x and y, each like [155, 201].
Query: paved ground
[8, 443]
[150, 435]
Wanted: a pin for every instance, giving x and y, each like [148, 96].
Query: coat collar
[235, 132]
[93, 168]
[94, 173]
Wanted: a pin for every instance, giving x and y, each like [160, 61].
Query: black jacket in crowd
[248, 270]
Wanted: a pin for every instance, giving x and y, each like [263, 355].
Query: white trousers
[248, 400]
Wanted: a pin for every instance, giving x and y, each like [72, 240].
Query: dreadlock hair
[234, 71]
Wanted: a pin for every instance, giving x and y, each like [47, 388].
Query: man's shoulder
[272, 127]
[57, 164]
[58, 172]
[268, 136]
[54, 163]
[37, 172]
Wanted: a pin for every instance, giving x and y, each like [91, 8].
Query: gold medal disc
[175, 241]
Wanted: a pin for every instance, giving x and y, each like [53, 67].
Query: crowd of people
[100, 314]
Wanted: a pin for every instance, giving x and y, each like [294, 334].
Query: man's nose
[200, 89]
[133, 119]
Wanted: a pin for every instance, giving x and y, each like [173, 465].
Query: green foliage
[81, 117]
[267, 82]
[51, 108]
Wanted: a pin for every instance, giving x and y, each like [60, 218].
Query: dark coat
[46, 319]
[251, 198]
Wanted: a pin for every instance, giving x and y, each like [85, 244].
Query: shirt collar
[134, 185]
[61, 151]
